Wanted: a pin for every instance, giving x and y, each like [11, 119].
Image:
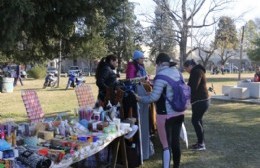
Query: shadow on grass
[222, 79]
[231, 135]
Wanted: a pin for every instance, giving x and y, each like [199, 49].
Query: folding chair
[85, 96]
[32, 105]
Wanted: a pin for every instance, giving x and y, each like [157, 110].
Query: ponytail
[189, 62]
[103, 62]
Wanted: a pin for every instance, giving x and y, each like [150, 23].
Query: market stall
[62, 141]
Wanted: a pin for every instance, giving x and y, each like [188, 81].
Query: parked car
[232, 69]
[52, 70]
[74, 70]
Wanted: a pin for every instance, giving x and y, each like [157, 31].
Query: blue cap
[138, 54]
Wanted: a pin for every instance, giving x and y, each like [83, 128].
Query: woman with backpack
[199, 99]
[169, 122]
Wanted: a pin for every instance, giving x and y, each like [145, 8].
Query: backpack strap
[167, 79]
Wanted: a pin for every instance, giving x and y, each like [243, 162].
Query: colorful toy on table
[85, 113]
[33, 159]
[6, 151]
[55, 155]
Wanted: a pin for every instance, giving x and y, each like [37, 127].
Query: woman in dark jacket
[199, 99]
[105, 75]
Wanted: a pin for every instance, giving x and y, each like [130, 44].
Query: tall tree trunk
[183, 48]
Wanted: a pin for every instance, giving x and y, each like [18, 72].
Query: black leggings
[198, 110]
[173, 129]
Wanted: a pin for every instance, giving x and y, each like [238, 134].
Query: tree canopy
[31, 29]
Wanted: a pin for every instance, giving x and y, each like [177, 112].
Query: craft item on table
[32, 159]
[102, 115]
[102, 125]
[31, 140]
[85, 113]
[84, 122]
[92, 126]
[66, 145]
[95, 138]
[113, 112]
[40, 127]
[96, 115]
[110, 129]
[68, 129]
[29, 130]
[117, 122]
[2, 132]
[46, 135]
[80, 129]
[9, 154]
[131, 121]
[55, 155]
[13, 134]
[62, 128]
[4, 145]
[124, 126]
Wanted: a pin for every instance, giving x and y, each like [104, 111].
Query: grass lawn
[231, 129]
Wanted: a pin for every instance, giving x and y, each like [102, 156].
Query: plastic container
[7, 85]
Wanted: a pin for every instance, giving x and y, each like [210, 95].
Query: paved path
[226, 98]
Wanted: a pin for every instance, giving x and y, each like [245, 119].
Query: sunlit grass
[231, 129]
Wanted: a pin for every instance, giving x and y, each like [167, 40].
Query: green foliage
[250, 34]
[37, 72]
[150, 69]
[226, 34]
[123, 34]
[254, 54]
[161, 34]
[32, 29]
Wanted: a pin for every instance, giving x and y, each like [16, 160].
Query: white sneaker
[131, 133]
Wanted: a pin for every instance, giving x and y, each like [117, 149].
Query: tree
[254, 54]
[161, 35]
[188, 15]
[45, 23]
[205, 49]
[250, 35]
[226, 38]
[123, 34]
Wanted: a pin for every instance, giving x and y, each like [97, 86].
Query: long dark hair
[189, 62]
[104, 61]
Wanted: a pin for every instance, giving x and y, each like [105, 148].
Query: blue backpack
[181, 93]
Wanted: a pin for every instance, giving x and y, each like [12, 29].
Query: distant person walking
[18, 75]
[199, 99]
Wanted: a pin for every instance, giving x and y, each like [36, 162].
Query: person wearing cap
[147, 119]
[169, 122]
[199, 99]
[136, 67]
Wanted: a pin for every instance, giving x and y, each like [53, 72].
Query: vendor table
[115, 139]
